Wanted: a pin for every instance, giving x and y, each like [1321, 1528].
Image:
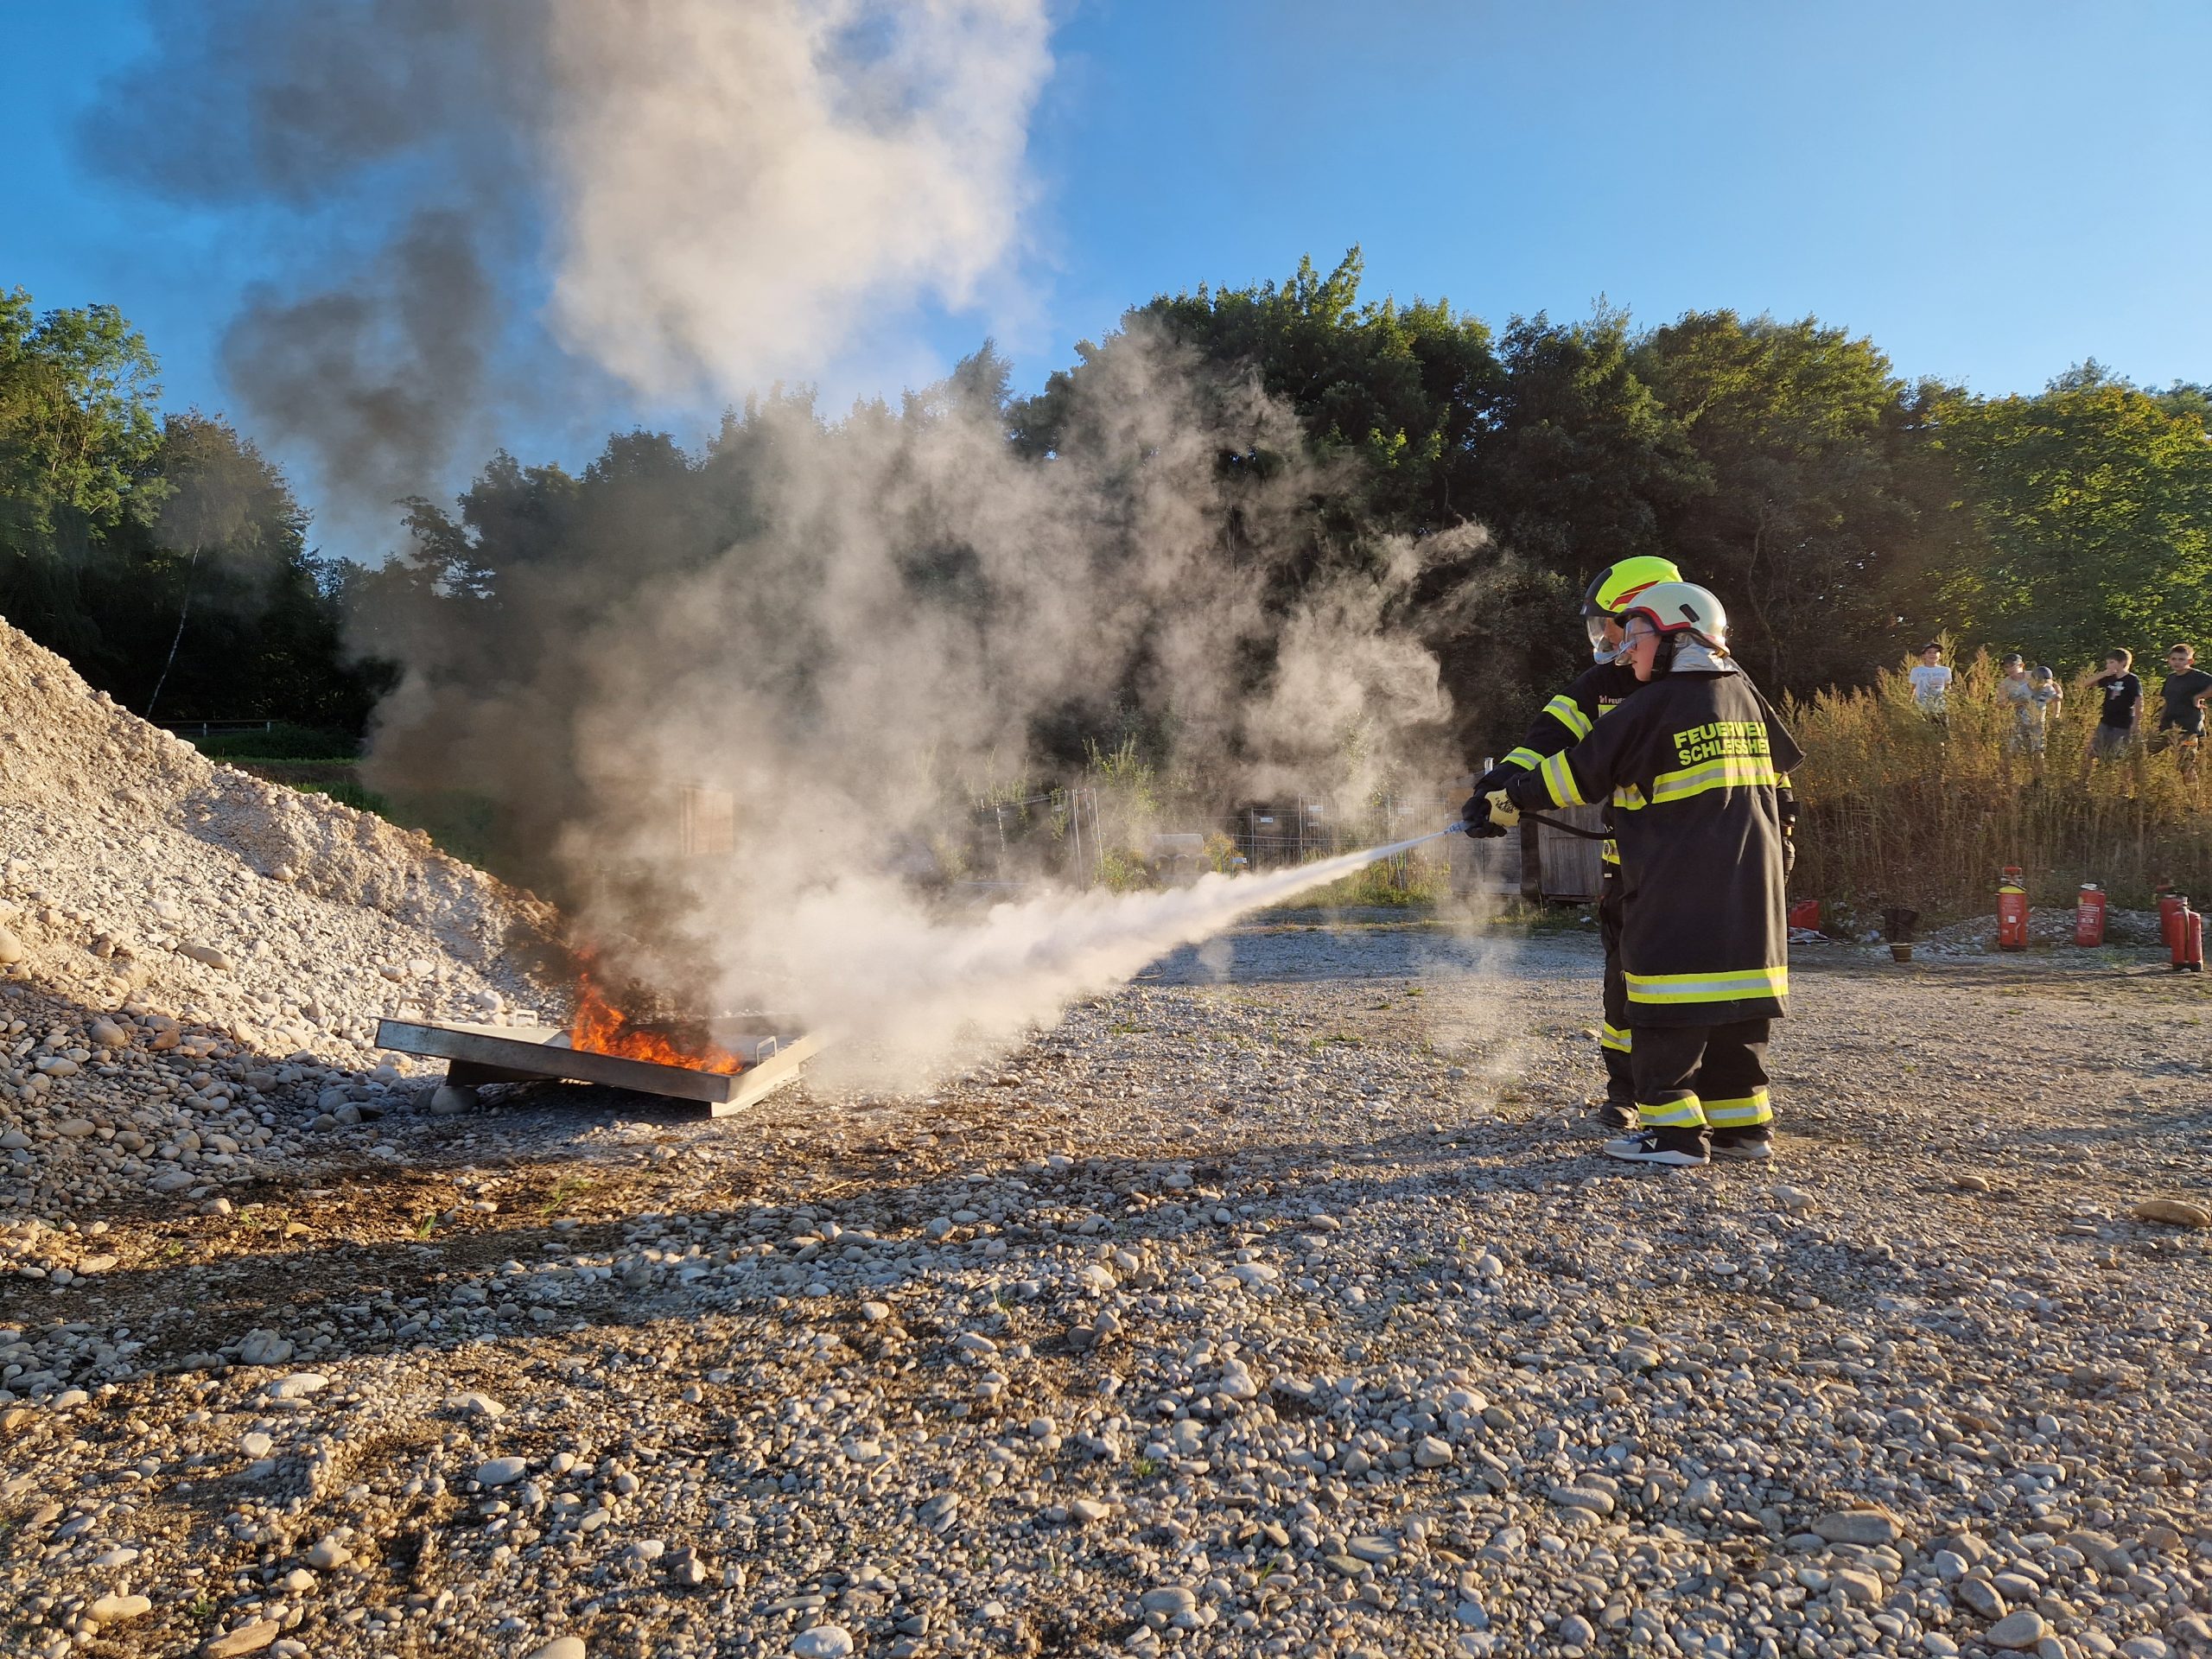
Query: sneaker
[1744, 1146]
[1679, 1149]
[1611, 1114]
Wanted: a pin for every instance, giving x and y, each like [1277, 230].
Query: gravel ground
[1275, 1306]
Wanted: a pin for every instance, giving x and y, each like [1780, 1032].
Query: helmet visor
[1596, 625]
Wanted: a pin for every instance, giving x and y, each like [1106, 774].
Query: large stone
[822, 1642]
[213, 958]
[2016, 1631]
[1171, 1599]
[12, 949]
[561, 1647]
[2174, 1212]
[1432, 1453]
[114, 1609]
[501, 1471]
[247, 1638]
[1981, 1595]
[1858, 1527]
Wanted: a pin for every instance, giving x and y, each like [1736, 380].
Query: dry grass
[1900, 810]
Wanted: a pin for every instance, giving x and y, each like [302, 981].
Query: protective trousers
[1702, 1077]
[1613, 1035]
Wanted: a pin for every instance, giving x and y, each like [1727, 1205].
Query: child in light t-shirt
[1931, 681]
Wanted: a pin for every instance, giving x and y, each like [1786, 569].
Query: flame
[600, 1027]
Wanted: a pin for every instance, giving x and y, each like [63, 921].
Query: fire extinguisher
[2089, 915]
[2189, 940]
[2012, 911]
[2172, 906]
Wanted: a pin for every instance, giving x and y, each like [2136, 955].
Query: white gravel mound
[159, 911]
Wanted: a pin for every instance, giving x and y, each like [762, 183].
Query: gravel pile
[1274, 1306]
[192, 961]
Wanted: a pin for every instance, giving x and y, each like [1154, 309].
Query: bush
[1900, 810]
[281, 742]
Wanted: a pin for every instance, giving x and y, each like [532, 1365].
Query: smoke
[855, 627]
[480, 210]
[476, 208]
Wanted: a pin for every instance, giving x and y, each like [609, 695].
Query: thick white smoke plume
[848, 628]
[717, 193]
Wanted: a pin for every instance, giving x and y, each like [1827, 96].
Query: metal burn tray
[477, 1054]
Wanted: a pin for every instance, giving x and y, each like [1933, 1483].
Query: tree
[1813, 494]
[2097, 501]
[78, 430]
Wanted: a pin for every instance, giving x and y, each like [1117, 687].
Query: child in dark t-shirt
[2123, 695]
[2183, 696]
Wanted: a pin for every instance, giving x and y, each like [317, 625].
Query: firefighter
[1695, 768]
[1566, 721]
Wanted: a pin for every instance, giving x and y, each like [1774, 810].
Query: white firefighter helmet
[1680, 609]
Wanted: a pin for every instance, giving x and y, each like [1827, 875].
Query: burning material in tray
[762, 1059]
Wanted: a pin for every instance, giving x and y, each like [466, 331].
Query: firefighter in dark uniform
[1696, 770]
[1566, 721]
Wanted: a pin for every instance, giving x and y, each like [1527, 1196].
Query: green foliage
[2096, 499]
[285, 741]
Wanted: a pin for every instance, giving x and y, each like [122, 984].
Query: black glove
[1789, 853]
[1475, 815]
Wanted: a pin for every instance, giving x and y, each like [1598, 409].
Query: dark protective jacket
[1693, 769]
[1570, 716]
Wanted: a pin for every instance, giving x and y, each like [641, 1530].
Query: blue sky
[1991, 191]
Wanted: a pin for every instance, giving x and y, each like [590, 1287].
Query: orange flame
[600, 1027]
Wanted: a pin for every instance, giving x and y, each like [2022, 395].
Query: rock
[2174, 1212]
[1432, 1453]
[264, 1348]
[1793, 1200]
[1968, 1181]
[11, 949]
[2016, 1631]
[561, 1647]
[448, 1098]
[2145, 1647]
[1583, 1497]
[1087, 1510]
[326, 1554]
[472, 1404]
[213, 958]
[106, 1034]
[1171, 1599]
[875, 1313]
[1981, 1595]
[114, 1609]
[1858, 1527]
[1575, 1631]
[822, 1642]
[501, 1471]
[1865, 1588]
[1236, 1382]
[298, 1385]
[247, 1638]
[1373, 1549]
[75, 1128]
[255, 1444]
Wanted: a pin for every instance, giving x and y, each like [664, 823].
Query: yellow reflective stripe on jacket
[1616, 1038]
[1739, 984]
[1729, 771]
[1609, 852]
[1564, 710]
[1629, 799]
[1687, 1114]
[1559, 780]
[1744, 1113]
[1527, 759]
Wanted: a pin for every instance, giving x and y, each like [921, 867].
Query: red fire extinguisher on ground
[2089, 915]
[2189, 941]
[2012, 911]
[2172, 906]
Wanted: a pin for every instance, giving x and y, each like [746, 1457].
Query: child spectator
[2185, 693]
[2114, 737]
[1931, 681]
[2018, 690]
